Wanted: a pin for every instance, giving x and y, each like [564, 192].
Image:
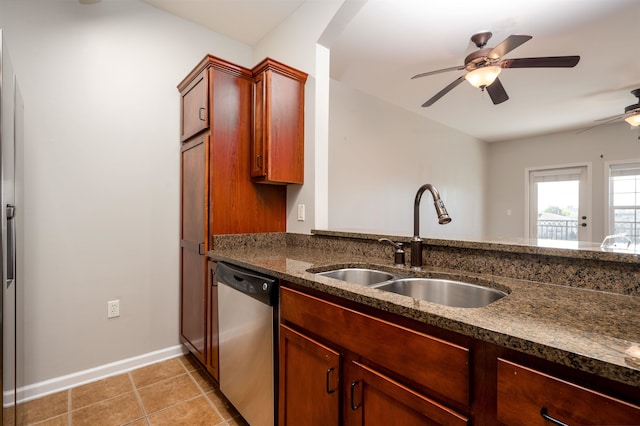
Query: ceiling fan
[484, 65]
[631, 115]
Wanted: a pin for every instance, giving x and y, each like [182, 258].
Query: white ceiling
[388, 41]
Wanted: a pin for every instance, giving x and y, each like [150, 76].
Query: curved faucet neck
[416, 207]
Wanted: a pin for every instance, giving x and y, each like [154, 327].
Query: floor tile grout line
[100, 401]
[138, 398]
[189, 369]
[174, 405]
[186, 372]
[202, 391]
[166, 379]
[204, 394]
[68, 413]
[69, 408]
[211, 403]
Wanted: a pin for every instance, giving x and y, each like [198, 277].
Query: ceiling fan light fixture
[633, 119]
[483, 77]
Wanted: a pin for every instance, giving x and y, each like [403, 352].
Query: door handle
[327, 388]
[11, 244]
[545, 415]
[354, 406]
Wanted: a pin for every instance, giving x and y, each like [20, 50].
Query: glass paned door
[558, 204]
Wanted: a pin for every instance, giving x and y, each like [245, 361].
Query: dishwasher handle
[253, 284]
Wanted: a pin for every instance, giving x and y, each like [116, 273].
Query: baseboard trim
[61, 383]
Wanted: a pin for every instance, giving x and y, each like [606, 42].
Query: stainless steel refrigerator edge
[11, 135]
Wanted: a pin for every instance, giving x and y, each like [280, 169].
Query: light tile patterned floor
[173, 392]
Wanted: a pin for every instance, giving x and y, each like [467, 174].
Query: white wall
[508, 160]
[101, 174]
[294, 42]
[379, 155]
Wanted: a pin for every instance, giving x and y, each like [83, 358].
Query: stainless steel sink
[362, 276]
[443, 291]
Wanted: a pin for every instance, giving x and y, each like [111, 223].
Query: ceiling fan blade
[424, 74]
[615, 117]
[496, 92]
[443, 91]
[603, 122]
[541, 62]
[507, 45]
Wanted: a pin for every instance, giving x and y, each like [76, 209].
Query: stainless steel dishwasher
[247, 321]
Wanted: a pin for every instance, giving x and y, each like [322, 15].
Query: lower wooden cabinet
[193, 231]
[374, 399]
[309, 381]
[340, 366]
[530, 397]
[343, 365]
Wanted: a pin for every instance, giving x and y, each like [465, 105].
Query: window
[624, 200]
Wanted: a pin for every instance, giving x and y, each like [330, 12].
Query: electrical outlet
[113, 308]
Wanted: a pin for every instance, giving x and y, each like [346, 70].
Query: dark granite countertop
[571, 249]
[592, 331]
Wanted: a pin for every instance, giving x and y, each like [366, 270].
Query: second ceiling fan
[484, 65]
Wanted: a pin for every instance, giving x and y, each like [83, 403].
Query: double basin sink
[438, 290]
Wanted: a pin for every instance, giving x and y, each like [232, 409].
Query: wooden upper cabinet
[277, 146]
[194, 101]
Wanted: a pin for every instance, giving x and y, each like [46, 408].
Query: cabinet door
[193, 263]
[194, 106]
[529, 397]
[260, 134]
[309, 381]
[371, 399]
[399, 349]
[212, 313]
[278, 124]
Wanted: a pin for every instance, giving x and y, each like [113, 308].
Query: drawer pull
[354, 407]
[329, 371]
[547, 417]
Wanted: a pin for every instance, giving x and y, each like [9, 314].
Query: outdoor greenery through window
[624, 200]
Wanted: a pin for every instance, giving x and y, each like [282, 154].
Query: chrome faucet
[443, 219]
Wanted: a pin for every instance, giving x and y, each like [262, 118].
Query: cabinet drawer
[525, 394]
[433, 363]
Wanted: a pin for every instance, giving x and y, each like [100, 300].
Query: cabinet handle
[201, 116]
[259, 161]
[329, 371]
[11, 244]
[547, 417]
[201, 249]
[353, 387]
